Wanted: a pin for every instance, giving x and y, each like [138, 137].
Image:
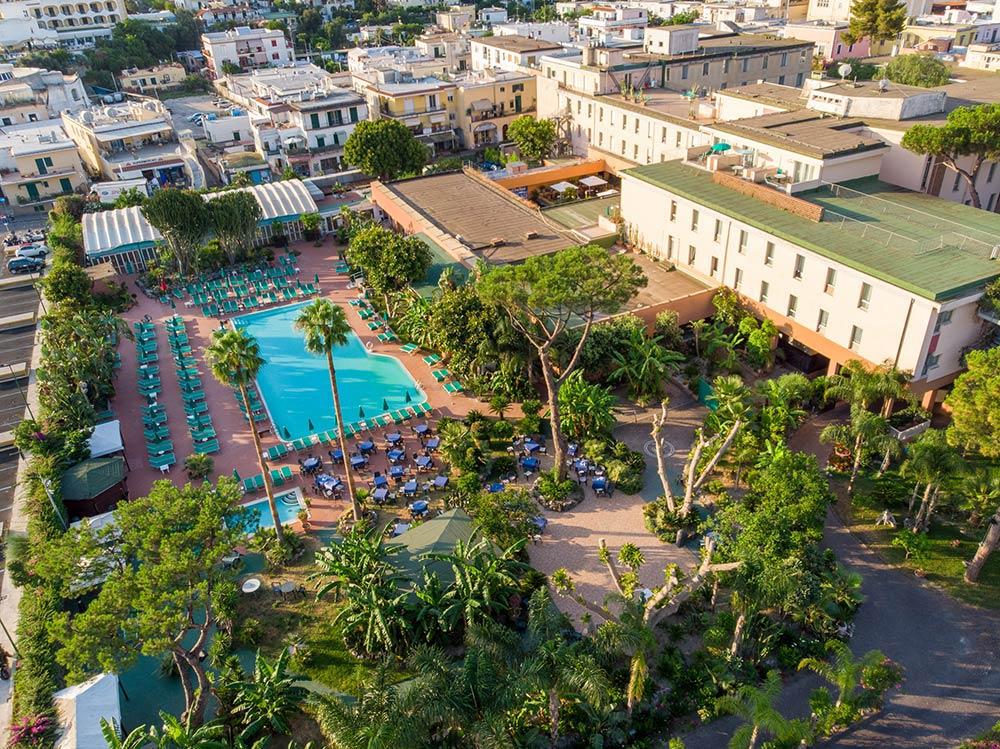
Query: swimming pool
[288, 503]
[295, 384]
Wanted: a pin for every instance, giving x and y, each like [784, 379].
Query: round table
[393, 438]
[311, 463]
[419, 506]
[251, 585]
[288, 587]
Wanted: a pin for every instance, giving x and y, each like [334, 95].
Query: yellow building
[487, 101]
[150, 80]
[38, 163]
[425, 105]
[945, 36]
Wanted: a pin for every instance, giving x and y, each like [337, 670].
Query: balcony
[385, 112]
[498, 112]
[13, 177]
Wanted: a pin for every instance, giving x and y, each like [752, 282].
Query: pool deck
[236, 444]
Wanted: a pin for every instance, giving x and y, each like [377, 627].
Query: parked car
[25, 265]
[195, 118]
[32, 250]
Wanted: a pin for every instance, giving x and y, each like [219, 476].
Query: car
[195, 118]
[32, 250]
[25, 265]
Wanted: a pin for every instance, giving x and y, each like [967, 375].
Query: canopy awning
[106, 439]
[107, 231]
[288, 198]
[482, 126]
[481, 105]
[593, 182]
[80, 709]
[562, 186]
[91, 478]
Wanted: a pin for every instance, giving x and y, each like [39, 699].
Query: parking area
[184, 108]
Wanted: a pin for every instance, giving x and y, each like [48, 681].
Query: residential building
[331, 8]
[158, 19]
[217, 14]
[840, 10]
[410, 3]
[38, 163]
[858, 269]
[35, 94]
[298, 117]
[77, 24]
[931, 33]
[448, 46]
[509, 52]
[20, 31]
[558, 32]
[605, 21]
[492, 15]
[419, 61]
[425, 105]
[131, 140]
[487, 101]
[456, 18]
[982, 57]
[245, 48]
[740, 13]
[828, 38]
[149, 81]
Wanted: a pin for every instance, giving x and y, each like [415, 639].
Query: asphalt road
[951, 652]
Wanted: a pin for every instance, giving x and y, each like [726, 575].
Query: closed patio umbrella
[311, 427]
[361, 412]
[385, 404]
[284, 431]
[408, 398]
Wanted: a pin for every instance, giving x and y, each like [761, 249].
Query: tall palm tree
[234, 357]
[176, 734]
[865, 431]
[632, 637]
[325, 327]
[484, 578]
[756, 706]
[644, 364]
[930, 462]
[861, 386]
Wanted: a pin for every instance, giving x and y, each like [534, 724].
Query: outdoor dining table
[395, 455]
[581, 466]
[326, 482]
[440, 481]
[421, 429]
[393, 438]
[380, 495]
[531, 446]
[311, 464]
[495, 488]
[337, 454]
[250, 586]
[397, 472]
[599, 484]
[540, 521]
[423, 461]
[410, 487]
[366, 446]
[380, 481]
[288, 587]
[419, 507]
[357, 461]
[432, 443]
[399, 529]
[530, 464]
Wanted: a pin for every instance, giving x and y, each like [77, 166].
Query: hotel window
[944, 318]
[670, 247]
[677, 142]
[824, 318]
[831, 280]
[800, 264]
[694, 219]
[738, 279]
[932, 362]
[855, 338]
[746, 64]
[624, 121]
[715, 266]
[793, 305]
[704, 69]
[663, 136]
[784, 59]
[763, 65]
[769, 254]
[764, 288]
[636, 129]
[717, 234]
[742, 246]
[684, 72]
[635, 152]
[673, 210]
[600, 114]
[866, 296]
[692, 253]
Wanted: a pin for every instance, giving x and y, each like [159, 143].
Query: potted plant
[304, 518]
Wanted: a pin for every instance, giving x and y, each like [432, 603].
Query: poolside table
[380, 481]
[357, 461]
[336, 454]
[366, 446]
[311, 464]
[328, 483]
[396, 455]
[393, 438]
[531, 447]
[410, 487]
[432, 443]
[380, 495]
[440, 482]
[530, 464]
[423, 461]
[399, 529]
[421, 429]
[250, 586]
[600, 484]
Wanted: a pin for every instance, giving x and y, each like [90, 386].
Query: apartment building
[131, 140]
[418, 61]
[425, 105]
[559, 32]
[487, 101]
[446, 46]
[982, 57]
[245, 48]
[509, 52]
[840, 10]
[35, 94]
[931, 33]
[298, 116]
[77, 24]
[20, 31]
[492, 15]
[456, 18]
[827, 36]
[217, 14]
[852, 270]
[38, 163]
[149, 81]
[606, 20]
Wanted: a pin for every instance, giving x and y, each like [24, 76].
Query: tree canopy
[971, 133]
[234, 216]
[975, 404]
[181, 216]
[877, 20]
[390, 260]
[533, 138]
[384, 148]
[925, 71]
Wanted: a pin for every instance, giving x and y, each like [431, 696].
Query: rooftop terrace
[805, 132]
[930, 247]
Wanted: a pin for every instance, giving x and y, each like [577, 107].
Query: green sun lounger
[364, 313]
[148, 358]
[277, 452]
[253, 483]
[150, 369]
[206, 448]
[155, 433]
[276, 478]
[373, 326]
[422, 408]
[387, 337]
[409, 348]
[440, 374]
[159, 448]
[299, 444]
[193, 396]
[196, 408]
[454, 387]
[162, 461]
[203, 433]
[431, 359]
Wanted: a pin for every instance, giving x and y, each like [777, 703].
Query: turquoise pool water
[295, 384]
[288, 510]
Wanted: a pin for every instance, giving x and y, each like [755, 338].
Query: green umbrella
[361, 412]
[236, 474]
[316, 277]
[385, 405]
[284, 431]
[408, 398]
[311, 427]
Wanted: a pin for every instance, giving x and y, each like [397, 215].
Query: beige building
[486, 102]
[840, 10]
[448, 47]
[246, 49]
[38, 163]
[426, 106]
[149, 81]
[77, 24]
[982, 57]
[456, 18]
[509, 52]
[34, 94]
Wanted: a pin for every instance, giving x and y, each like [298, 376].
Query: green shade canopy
[90, 478]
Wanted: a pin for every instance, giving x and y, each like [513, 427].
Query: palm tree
[644, 364]
[865, 431]
[374, 619]
[179, 735]
[270, 697]
[324, 326]
[781, 399]
[484, 578]
[234, 357]
[586, 409]
[981, 489]
[354, 560]
[931, 461]
[436, 609]
[843, 670]
[986, 547]
[755, 705]
[631, 636]
[111, 732]
[862, 387]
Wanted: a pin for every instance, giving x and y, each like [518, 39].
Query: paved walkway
[950, 650]
[571, 538]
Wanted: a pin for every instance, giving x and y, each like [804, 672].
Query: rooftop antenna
[844, 70]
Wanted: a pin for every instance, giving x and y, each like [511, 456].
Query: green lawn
[951, 544]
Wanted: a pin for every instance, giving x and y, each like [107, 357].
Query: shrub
[668, 329]
[554, 493]
[250, 631]
[37, 672]
[503, 465]
[503, 431]
[198, 466]
[664, 523]
[917, 70]
[32, 732]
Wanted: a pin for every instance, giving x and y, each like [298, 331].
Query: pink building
[826, 35]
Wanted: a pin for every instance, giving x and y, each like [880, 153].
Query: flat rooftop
[516, 43]
[805, 132]
[725, 44]
[481, 214]
[928, 246]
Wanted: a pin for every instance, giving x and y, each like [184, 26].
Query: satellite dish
[883, 85]
[844, 70]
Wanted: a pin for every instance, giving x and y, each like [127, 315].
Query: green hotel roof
[931, 247]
